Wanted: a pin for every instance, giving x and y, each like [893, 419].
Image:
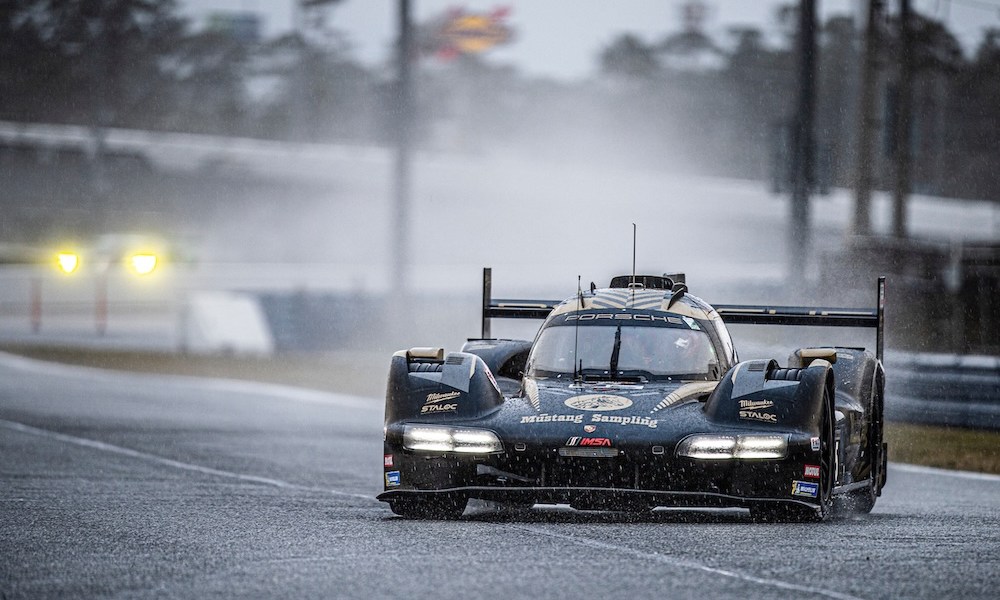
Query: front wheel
[863, 501]
[447, 507]
[797, 513]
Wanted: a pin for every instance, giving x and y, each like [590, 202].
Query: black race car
[632, 397]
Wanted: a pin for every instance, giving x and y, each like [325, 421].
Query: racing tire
[863, 501]
[449, 507]
[797, 513]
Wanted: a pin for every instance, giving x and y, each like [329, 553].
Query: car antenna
[577, 373]
[631, 286]
[633, 255]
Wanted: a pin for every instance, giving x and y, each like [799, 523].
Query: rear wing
[734, 314]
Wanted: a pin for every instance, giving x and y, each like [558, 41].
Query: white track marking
[922, 470]
[105, 447]
[686, 564]
[215, 384]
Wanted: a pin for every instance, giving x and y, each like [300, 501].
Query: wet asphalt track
[146, 486]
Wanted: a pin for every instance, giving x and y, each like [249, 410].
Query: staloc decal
[754, 415]
[805, 488]
[432, 409]
[388, 460]
[811, 471]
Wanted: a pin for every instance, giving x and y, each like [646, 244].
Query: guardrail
[937, 389]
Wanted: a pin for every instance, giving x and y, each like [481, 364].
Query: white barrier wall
[225, 322]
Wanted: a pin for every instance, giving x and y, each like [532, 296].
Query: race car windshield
[616, 350]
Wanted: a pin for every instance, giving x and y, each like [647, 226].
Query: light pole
[404, 141]
[868, 123]
[802, 154]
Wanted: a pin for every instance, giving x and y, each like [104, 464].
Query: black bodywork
[801, 439]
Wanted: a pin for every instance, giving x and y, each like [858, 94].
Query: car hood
[550, 410]
[553, 396]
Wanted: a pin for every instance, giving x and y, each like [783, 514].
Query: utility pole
[903, 119]
[404, 135]
[867, 122]
[803, 151]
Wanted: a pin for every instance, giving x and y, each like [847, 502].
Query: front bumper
[631, 478]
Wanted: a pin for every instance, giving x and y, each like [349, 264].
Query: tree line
[685, 102]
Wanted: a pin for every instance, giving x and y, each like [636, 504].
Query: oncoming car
[632, 397]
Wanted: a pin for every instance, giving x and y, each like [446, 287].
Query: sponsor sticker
[756, 415]
[438, 403]
[588, 441]
[604, 402]
[392, 479]
[388, 460]
[430, 409]
[547, 418]
[805, 488]
[435, 398]
[755, 404]
[814, 443]
[590, 428]
[617, 317]
[614, 419]
[489, 374]
[811, 471]
[594, 418]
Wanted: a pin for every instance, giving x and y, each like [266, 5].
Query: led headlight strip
[727, 447]
[437, 438]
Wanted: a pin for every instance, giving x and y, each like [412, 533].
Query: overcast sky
[562, 38]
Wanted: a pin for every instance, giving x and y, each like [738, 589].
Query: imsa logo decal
[588, 441]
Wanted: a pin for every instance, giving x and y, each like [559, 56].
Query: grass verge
[364, 374]
[945, 447]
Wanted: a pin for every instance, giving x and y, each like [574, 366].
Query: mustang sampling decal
[594, 418]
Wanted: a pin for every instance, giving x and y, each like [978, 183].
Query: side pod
[425, 385]
[760, 393]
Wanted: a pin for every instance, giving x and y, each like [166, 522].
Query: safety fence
[938, 389]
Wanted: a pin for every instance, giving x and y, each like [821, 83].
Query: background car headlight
[724, 447]
[68, 261]
[437, 438]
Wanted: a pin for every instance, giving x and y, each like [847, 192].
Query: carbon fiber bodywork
[618, 442]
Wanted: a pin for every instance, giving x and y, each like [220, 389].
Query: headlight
[143, 263]
[725, 447]
[68, 261]
[436, 438]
